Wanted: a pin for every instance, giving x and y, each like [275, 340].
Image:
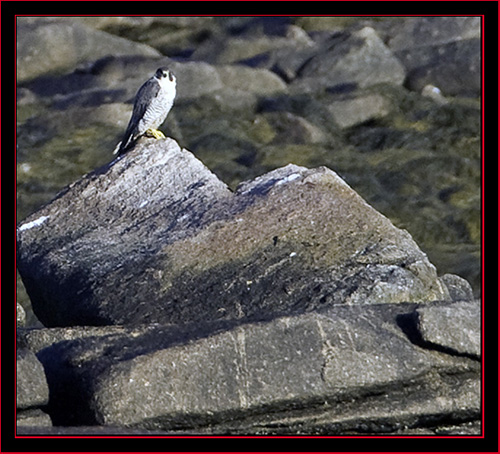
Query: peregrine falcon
[151, 106]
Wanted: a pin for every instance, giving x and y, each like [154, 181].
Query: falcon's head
[163, 73]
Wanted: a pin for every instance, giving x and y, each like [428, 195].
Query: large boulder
[346, 369]
[51, 45]
[32, 390]
[155, 237]
[78, 83]
[442, 51]
[31, 385]
[358, 59]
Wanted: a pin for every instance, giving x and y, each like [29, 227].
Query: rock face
[284, 305]
[361, 59]
[156, 237]
[260, 311]
[465, 315]
[51, 45]
[32, 391]
[350, 112]
[432, 49]
[380, 100]
[350, 368]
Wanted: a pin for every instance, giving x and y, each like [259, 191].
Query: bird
[152, 104]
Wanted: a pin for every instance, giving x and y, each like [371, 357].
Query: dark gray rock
[253, 80]
[255, 50]
[353, 111]
[169, 34]
[455, 326]
[196, 79]
[417, 32]
[466, 428]
[454, 68]
[351, 368]
[286, 127]
[114, 194]
[31, 385]
[360, 59]
[33, 418]
[37, 339]
[49, 45]
[284, 54]
[156, 237]
[458, 288]
[441, 51]
[78, 431]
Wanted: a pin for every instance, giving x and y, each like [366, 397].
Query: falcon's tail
[124, 144]
[117, 148]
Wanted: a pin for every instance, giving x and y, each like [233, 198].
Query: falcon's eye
[165, 74]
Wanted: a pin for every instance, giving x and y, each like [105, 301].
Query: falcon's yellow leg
[155, 133]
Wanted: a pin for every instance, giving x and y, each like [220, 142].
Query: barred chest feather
[159, 107]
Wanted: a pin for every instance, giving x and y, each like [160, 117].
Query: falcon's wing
[143, 98]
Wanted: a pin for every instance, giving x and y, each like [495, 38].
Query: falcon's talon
[157, 134]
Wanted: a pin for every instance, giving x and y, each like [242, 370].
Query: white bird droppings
[35, 223]
[289, 178]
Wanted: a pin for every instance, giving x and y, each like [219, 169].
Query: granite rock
[53, 46]
[155, 237]
[350, 368]
[353, 111]
[31, 385]
[359, 58]
[455, 326]
[33, 418]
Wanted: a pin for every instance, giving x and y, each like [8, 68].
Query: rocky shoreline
[285, 307]
[213, 287]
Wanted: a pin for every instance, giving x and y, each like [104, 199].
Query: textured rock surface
[458, 288]
[254, 94]
[456, 326]
[156, 237]
[434, 31]
[350, 112]
[51, 45]
[416, 159]
[360, 58]
[467, 428]
[351, 368]
[33, 418]
[439, 51]
[31, 386]
[20, 315]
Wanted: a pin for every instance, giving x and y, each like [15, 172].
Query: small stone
[33, 418]
[456, 326]
[31, 384]
[20, 315]
[430, 91]
[458, 288]
[351, 112]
